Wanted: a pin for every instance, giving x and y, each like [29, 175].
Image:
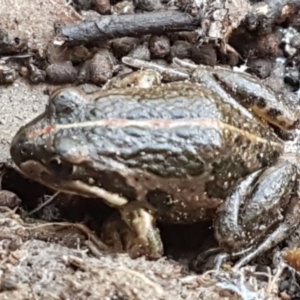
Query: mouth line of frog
[40, 173]
[153, 124]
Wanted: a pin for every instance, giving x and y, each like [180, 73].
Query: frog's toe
[208, 260]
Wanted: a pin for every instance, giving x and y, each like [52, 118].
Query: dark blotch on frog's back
[176, 152]
[261, 103]
[177, 107]
[268, 160]
[225, 174]
[273, 112]
[179, 165]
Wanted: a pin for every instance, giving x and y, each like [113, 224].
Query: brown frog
[175, 152]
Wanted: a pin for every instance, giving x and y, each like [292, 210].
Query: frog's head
[54, 149]
[34, 141]
[45, 153]
[34, 152]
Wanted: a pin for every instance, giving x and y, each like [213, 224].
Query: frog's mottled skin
[179, 147]
[175, 151]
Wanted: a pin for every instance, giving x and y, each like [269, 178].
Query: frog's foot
[167, 73]
[260, 211]
[281, 233]
[135, 233]
[208, 260]
[142, 79]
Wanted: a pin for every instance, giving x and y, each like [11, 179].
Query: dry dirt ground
[32, 267]
[19, 103]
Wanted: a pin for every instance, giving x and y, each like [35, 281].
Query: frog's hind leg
[283, 231]
[263, 101]
[260, 212]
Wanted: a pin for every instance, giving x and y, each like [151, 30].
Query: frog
[177, 152]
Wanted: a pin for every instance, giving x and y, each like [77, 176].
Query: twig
[184, 64]
[90, 235]
[275, 279]
[168, 74]
[21, 56]
[131, 25]
[49, 200]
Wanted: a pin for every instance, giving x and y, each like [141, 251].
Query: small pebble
[204, 54]
[159, 46]
[141, 52]
[180, 49]
[260, 67]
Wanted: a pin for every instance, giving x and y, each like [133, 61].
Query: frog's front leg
[135, 232]
[261, 211]
[141, 221]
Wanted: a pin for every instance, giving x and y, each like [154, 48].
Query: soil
[20, 103]
[33, 268]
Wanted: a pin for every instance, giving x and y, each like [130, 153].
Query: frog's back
[173, 101]
[179, 141]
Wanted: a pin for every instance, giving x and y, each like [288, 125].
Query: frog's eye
[60, 167]
[67, 100]
[24, 150]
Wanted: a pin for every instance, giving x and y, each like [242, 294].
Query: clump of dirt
[35, 19]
